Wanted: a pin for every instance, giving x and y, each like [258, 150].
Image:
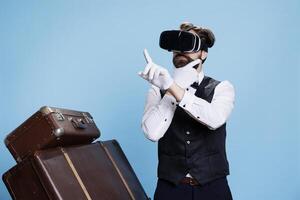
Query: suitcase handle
[78, 123]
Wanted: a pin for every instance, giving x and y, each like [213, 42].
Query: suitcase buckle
[78, 123]
[87, 118]
[59, 116]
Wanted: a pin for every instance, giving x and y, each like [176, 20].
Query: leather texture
[94, 171]
[57, 127]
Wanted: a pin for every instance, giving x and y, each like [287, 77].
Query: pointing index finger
[147, 56]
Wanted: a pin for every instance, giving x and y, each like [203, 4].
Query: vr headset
[179, 41]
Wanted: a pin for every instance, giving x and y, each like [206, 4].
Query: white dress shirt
[159, 112]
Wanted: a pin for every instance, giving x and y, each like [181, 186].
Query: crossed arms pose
[159, 111]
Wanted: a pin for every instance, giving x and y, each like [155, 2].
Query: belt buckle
[191, 182]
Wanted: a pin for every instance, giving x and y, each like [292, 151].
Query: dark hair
[207, 37]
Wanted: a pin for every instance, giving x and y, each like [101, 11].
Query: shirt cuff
[187, 100]
[169, 101]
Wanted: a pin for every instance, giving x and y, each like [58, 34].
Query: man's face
[182, 59]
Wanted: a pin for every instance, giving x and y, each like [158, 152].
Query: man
[187, 113]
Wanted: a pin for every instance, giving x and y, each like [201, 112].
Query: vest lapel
[200, 90]
[210, 86]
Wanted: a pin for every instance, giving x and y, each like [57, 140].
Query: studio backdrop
[85, 55]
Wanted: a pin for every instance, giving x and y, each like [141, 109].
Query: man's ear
[203, 55]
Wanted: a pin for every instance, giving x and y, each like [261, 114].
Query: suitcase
[117, 156]
[94, 171]
[23, 183]
[51, 127]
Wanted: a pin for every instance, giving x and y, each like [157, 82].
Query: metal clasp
[59, 116]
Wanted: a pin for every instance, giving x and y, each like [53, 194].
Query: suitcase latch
[78, 123]
[87, 118]
[59, 116]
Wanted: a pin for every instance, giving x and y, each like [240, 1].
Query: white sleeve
[213, 114]
[158, 114]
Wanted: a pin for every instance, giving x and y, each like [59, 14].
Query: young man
[187, 113]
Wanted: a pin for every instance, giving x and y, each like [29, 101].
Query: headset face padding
[179, 41]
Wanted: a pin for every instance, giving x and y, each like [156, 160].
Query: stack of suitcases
[58, 159]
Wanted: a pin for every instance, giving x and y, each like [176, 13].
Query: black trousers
[215, 190]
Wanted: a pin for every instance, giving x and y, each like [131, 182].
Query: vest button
[188, 142]
[187, 132]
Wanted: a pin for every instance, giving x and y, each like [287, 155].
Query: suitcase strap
[76, 174]
[118, 170]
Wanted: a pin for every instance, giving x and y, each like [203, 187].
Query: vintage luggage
[22, 182]
[51, 127]
[94, 171]
[118, 157]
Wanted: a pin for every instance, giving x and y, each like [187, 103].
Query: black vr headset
[180, 41]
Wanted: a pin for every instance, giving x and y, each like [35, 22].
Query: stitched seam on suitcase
[118, 170]
[76, 175]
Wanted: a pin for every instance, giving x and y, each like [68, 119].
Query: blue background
[85, 55]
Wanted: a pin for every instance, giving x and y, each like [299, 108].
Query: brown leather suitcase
[51, 127]
[117, 156]
[94, 171]
[22, 182]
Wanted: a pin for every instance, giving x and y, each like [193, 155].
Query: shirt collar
[200, 76]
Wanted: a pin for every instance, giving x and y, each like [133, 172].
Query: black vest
[189, 146]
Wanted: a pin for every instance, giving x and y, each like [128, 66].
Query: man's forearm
[176, 91]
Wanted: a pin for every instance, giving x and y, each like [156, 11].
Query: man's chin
[179, 65]
[180, 62]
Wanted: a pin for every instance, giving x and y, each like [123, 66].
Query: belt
[189, 180]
